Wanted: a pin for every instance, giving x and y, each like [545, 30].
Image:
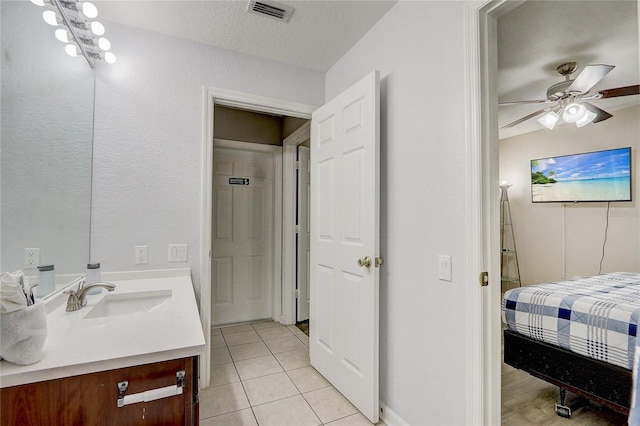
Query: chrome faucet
[78, 297]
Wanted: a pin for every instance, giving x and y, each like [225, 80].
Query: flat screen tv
[585, 177]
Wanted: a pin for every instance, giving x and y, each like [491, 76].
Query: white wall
[538, 227]
[148, 138]
[418, 48]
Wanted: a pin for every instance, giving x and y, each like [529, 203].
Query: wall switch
[178, 252]
[444, 268]
[31, 258]
[140, 257]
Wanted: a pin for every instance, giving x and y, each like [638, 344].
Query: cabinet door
[92, 399]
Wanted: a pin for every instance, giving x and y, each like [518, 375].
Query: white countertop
[77, 345]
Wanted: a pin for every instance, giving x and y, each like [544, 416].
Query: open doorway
[246, 249]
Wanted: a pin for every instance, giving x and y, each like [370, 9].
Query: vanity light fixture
[81, 34]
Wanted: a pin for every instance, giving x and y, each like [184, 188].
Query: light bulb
[109, 58]
[72, 50]
[549, 120]
[38, 2]
[63, 35]
[586, 119]
[50, 17]
[573, 112]
[97, 28]
[88, 9]
[104, 44]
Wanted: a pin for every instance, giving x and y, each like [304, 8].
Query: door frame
[213, 96]
[289, 158]
[276, 152]
[481, 68]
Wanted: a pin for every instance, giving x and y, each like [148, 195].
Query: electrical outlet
[140, 257]
[31, 258]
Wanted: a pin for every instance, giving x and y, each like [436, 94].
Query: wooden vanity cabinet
[92, 399]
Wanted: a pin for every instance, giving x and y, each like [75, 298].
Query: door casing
[213, 96]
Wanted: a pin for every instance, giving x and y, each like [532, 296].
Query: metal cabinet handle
[365, 261]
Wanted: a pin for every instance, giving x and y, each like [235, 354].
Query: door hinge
[484, 279]
[297, 294]
[297, 164]
[297, 229]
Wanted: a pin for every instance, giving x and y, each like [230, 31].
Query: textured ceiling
[537, 36]
[317, 36]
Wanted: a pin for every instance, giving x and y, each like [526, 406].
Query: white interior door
[242, 236]
[345, 182]
[303, 234]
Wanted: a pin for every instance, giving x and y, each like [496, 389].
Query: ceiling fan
[568, 99]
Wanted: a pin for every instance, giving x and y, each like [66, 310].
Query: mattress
[596, 317]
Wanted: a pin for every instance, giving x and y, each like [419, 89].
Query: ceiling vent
[271, 9]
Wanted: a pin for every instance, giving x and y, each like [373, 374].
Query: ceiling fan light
[549, 120]
[573, 112]
[586, 119]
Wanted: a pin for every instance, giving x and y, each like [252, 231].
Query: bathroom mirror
[46, 147]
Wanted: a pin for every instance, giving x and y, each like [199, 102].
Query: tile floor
[260, 375]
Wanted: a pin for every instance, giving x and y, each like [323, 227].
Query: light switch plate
[178, 252]
[444, 267]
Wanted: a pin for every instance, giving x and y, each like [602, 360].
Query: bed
[579, 335]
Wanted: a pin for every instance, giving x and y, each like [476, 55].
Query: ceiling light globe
[549, 120]
[588, 118]
[573, 112]
[88, 9]
[104, 44]
[109, 58]
[71, 49]
[38, 2]
[63, 35]
[50, 17]
[97, 28]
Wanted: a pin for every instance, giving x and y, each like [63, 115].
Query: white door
[303, 234]
[345, 182]
[243, 237]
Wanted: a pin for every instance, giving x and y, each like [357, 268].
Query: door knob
[365, 261]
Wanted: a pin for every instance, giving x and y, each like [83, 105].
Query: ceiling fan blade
[590, 75]
[526, 117]
[524, 102]
[620, 91]
[601, 114]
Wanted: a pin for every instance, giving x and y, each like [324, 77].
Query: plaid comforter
[596, 317]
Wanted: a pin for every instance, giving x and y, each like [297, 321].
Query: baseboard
[390, 417]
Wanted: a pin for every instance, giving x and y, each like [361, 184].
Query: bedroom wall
[148, 138]
[538, 228]
[423, 321]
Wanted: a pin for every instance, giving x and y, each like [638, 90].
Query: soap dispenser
[93, 276]
[46, 280]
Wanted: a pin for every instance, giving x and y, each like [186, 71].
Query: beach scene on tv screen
[591, 176]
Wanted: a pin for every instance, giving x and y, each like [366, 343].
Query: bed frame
[597, 381]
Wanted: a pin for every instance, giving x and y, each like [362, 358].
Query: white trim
[484, 374]
[290, 145]
[216, 96]
[246, 146]
[390, 417]
[206, 188]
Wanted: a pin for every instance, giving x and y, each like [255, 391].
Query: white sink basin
[128, 303]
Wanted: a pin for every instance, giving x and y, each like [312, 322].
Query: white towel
[12, 291]
[22, 334]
